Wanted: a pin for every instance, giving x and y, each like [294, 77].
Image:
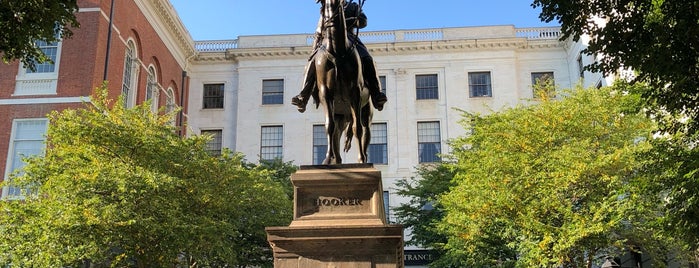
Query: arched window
[130, 69]
[170, 104]
[152, 88]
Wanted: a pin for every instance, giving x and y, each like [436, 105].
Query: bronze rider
[354, 18]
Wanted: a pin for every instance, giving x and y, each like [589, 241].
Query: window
[581, 66]
[27, 139]
[545, 80]
[214, 145]
[320, 144]
[428, 142]
[382, 81]
[43, 80]
[213, 96]
[170, 104]
[378, 146]
[479, 84]
[127, 85]
[152, 88]
[426, 86]
[273, 91]
[271, 142]
[51, 51]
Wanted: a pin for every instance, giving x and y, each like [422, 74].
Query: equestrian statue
[341, 76]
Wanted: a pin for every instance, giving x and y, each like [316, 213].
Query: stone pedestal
[339, 221]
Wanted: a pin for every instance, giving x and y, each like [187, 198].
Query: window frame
[215, 145]
[273, 97]
[581, 66]
[28, 83]
[472, 84]
[5, 193]
[320, 149]
[378, 142]
[426, 91]
[277, 140]
[221, 96]
[382, 83]
[536, 78]
[437, 145]
[130, 76]
[152, 88]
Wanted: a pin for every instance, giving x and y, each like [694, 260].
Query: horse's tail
[349, 135]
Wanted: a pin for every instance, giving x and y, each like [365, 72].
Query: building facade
[241, 91]
[140, 47]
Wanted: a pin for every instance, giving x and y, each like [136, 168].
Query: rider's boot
[301, 100]
[371, 80]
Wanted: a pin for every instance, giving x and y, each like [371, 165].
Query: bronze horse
[340, 85]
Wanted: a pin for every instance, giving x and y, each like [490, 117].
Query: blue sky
[228, 19]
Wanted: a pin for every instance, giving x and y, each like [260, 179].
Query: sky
[228, 19]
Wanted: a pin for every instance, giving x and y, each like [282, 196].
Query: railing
[215, 45]
[541, 33]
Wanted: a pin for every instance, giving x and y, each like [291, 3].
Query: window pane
[382, 80]
[28, 140]
[378, 146]
[426, 86]
[151, 84]
[51, 51]
[479, 84]
[429, 142]
[213, 96]
[214, 145]
[541, 77]
[273, 91]
[320, 144]
[128, 73]
[271, 142]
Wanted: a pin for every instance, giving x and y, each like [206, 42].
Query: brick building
[140, 47]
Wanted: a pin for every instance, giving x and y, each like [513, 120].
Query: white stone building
[241, 90]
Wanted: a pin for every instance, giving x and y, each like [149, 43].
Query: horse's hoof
[299, 102]
[379, 100]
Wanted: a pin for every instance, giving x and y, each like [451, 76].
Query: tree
[281, 173]
[549, 182]
[659, 39]
[23, 22]
[119, 187]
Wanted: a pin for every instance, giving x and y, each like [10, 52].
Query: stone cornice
[397, 48]
[170, 28]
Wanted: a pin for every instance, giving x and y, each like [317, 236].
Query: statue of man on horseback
[341, 77]
[354, 19]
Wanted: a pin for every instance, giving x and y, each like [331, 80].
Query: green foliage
[659, 39]
[280, 172]
[119, 188]
[22, 22]
[545, 185]
[422, 211]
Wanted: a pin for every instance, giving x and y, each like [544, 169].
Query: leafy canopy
[118, 187]
[545, 185]
[23, 22]
[659, 39]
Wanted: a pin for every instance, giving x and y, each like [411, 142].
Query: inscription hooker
[337, 202]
